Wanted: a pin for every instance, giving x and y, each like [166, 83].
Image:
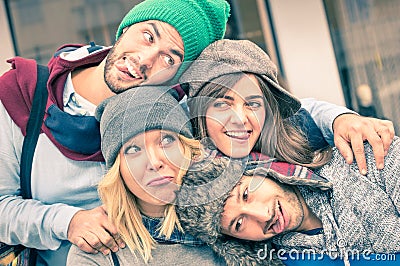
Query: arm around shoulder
[324, 114]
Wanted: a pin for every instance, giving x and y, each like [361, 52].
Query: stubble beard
[112, 82]
[294, 198]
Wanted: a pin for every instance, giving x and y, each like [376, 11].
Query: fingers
[380, 139]
[110, 238]
[83, 245]
[344, 148]
[386, 133]
[92, 232]
[103, 242]
[357, 145]
[90, 243]
[355, 130]
[112, 231]
[96, 243]
[119, 240]
[378, 148]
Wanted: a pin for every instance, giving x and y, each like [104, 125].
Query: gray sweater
[360, 214]
[163, 255]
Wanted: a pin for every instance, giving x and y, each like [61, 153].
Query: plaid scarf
[288, 173]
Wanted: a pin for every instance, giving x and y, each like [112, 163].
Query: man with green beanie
[153, 40]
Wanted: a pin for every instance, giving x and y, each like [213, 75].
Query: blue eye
[167, 139]
[254, 105]
[220, 104]
[133, 149]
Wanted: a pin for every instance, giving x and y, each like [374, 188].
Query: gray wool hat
[206, 187]
[200, 203]
[234, 56]
[135, 111]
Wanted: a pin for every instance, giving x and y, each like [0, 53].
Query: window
[41, 26]
[365, 35]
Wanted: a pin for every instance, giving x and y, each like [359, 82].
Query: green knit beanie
[199, 22]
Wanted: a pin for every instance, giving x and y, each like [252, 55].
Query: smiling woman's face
[234, 121]
[150, 165]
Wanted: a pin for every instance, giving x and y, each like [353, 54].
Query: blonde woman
[147, 145]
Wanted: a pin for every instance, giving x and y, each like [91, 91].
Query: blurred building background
[342, 51]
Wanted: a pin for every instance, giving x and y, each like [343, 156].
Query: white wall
[6, 47]
[306, 49]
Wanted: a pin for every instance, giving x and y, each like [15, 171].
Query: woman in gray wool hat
[146, 140]
[235, 100]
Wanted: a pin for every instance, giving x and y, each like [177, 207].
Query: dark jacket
[17, 88]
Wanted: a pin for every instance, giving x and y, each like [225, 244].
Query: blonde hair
[279, 137]
[122, 207]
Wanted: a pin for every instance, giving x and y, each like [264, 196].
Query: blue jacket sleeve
[303, 120]
[324, 114]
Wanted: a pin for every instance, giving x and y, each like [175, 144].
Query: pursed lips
[160, 180]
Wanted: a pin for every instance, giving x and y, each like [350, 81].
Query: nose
[147, 58]
[239, 116]
[155, 162]
[259, 212]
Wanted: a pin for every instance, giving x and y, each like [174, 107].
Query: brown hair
[279, 137]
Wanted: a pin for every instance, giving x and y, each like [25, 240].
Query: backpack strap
[33, 130]
[115, 259]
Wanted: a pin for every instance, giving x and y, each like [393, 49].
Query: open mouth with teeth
[131, 72]
[242, 135]
[277, 224]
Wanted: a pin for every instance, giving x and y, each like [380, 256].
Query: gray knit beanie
[234, 56]
[135, 111]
